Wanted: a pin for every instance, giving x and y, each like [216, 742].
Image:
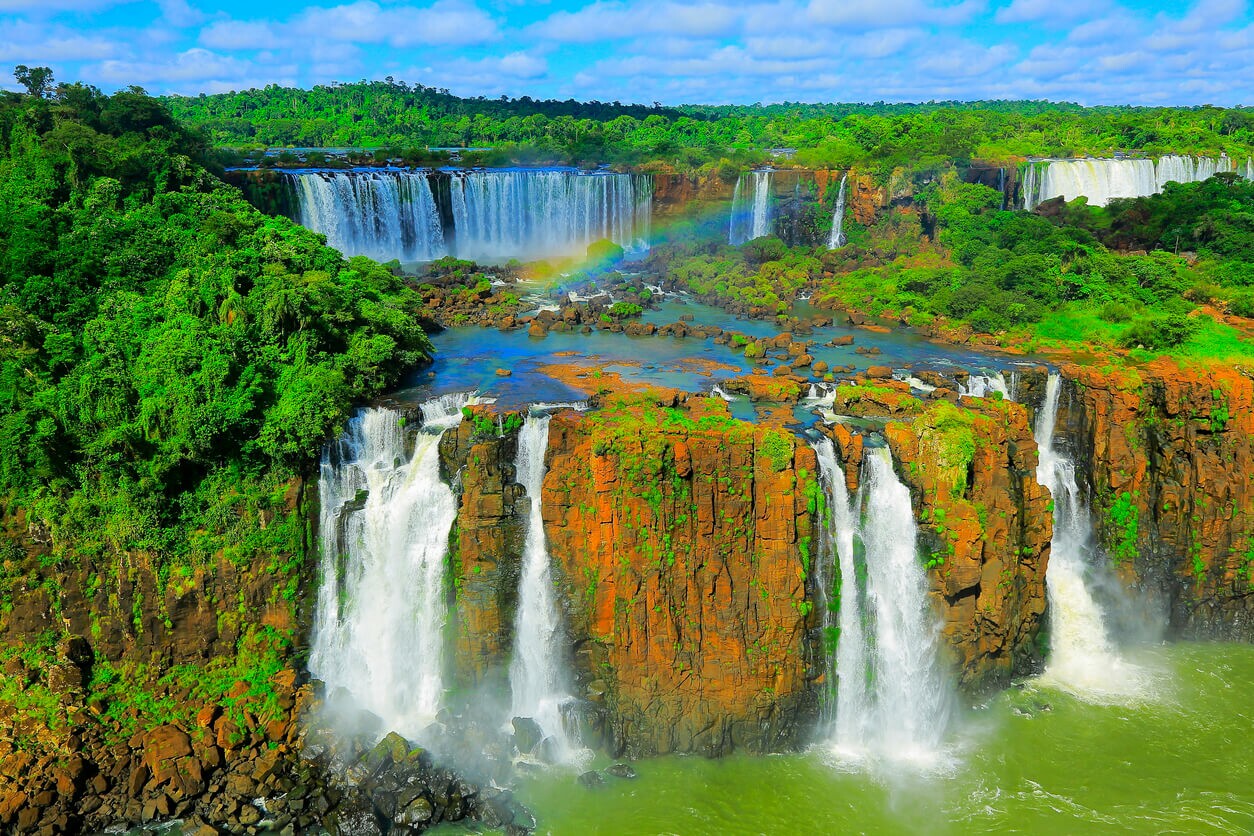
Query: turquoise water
[1033, 761]
[468, 358]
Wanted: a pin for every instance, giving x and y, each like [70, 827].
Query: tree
[36, 80]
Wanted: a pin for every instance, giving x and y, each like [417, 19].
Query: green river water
[1178, 760]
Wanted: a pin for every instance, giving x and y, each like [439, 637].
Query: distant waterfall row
[480, 215]
[1102, 180]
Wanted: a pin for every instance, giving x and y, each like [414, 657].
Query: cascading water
[1082, 660]
[836, 538]
[751, 216]
[984, 385]
[381, 608]
[504, 214]
[538, 674]
[837, 238]
[389, 214]
[892, 700]
[383, 214]
[1101, 180]
[1031, 187]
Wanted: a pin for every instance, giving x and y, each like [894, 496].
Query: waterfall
[892, 700]
[1082, 659]
[1102, 180]
[751, 217]
[381, 214]
[984, 385]
[845, 639]
[385, 521]
[389, 214]
[837, 238]
[538, 674]
[531, 214]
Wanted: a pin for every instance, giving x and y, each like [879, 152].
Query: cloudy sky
[715, 51]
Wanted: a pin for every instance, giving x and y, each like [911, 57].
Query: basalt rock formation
[680, 539]
[684, 548]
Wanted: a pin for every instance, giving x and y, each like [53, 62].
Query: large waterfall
[892, 699]
[381, 214]
[751, 211]
[1083, 660]
[1101, 180]
[385, 522]
[506, 214]
[480, 215]
[837, 238]
[538, 674]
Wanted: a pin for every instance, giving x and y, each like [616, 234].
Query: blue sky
[707, 51]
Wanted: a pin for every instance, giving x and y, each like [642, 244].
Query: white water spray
[1083, 660]
[984, 385]
[381, 609]
[538, 674]
[837, 238]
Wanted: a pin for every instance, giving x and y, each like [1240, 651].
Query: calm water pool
[1180, 761]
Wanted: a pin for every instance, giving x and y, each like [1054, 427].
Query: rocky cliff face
[683, 543]
[1169, 455]
[680, 540]
[133, 695]
[486, 551]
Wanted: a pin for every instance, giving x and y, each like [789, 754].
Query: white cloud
[195, 64]
[1047, 11]
[239, 34]
[874, 14]
[22, 42]
[612, 20]
[43, 8]
[446, 22]
[962, 59]
[179, 13]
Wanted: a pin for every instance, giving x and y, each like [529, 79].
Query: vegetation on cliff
[877, 137]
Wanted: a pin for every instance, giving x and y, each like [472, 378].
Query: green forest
[170, 357]
[409, 119]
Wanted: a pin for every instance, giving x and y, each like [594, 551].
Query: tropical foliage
[876, 137]
[169, 356]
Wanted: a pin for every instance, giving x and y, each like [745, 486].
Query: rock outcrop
[683, 539]
[1169, 457]
[985, 529]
